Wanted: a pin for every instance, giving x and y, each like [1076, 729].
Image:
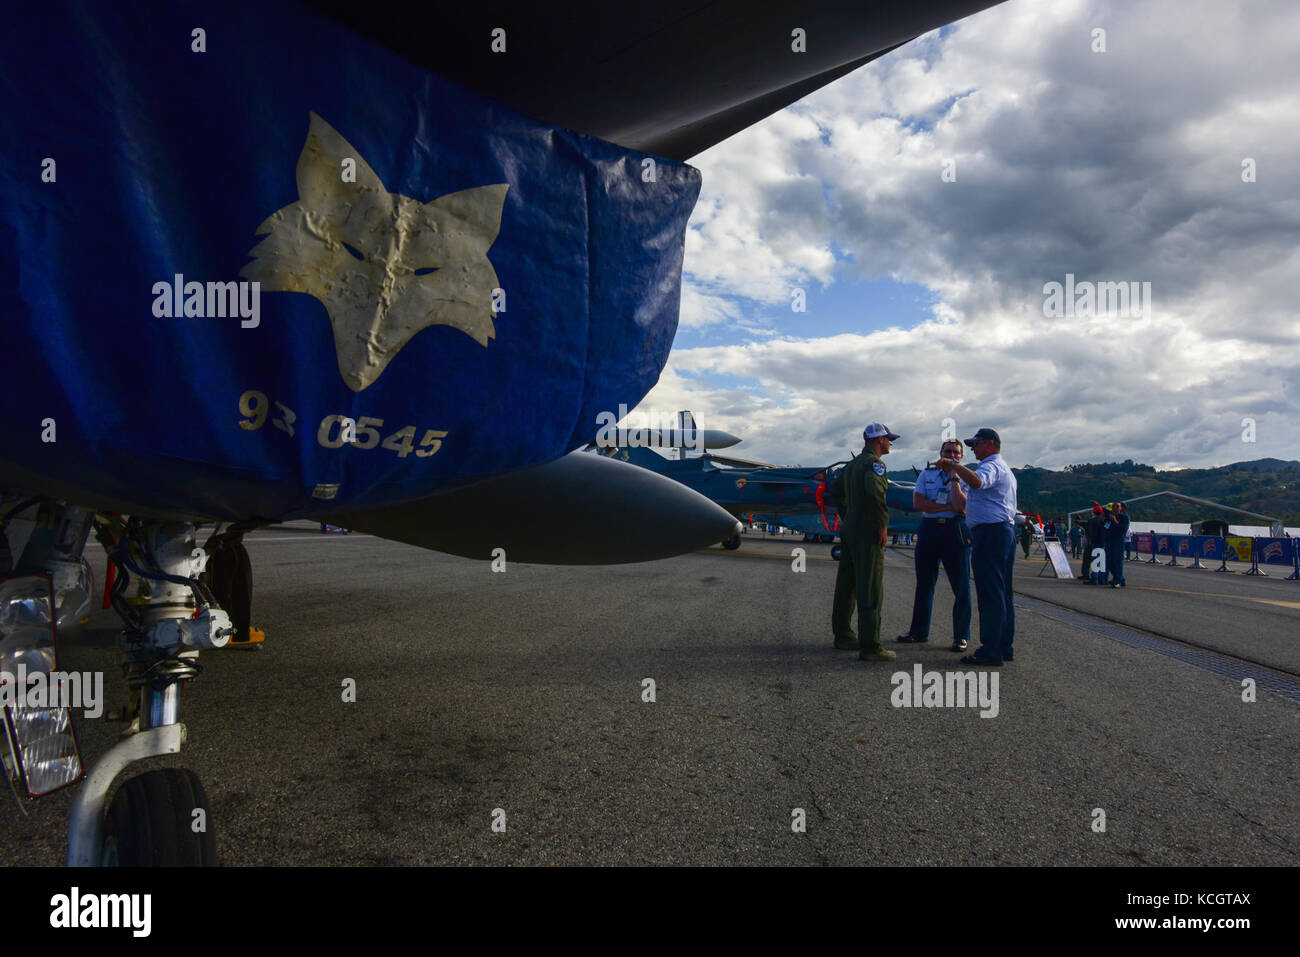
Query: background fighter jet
[796, 497]
[522, 131]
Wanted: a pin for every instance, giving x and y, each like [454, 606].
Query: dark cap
[983, 434]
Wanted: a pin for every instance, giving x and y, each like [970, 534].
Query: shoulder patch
[878, 468]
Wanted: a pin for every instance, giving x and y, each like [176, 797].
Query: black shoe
[960, 644]
[910, 639]
[975, 659]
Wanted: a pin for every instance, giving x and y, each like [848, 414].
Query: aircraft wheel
[835, 552]
[732, 543]
[230, 576]
[151, 823]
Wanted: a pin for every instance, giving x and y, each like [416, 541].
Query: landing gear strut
[158, 818]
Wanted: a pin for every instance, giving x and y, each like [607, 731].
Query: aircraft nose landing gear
[162, 817]
[152, 822]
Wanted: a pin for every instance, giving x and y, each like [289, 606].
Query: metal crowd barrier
[1276, 551]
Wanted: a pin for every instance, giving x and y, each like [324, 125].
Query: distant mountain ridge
[1268, 486]
[1265, 465]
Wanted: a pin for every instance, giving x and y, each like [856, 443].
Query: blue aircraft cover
[445, 290]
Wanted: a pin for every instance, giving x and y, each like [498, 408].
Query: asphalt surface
[523, 691]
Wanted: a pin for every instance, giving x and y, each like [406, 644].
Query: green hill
[1267, 486]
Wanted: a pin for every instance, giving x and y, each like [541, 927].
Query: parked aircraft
[796, 497]
[388, 282]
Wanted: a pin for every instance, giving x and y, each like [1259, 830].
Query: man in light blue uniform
[991, 514]
[943, 536]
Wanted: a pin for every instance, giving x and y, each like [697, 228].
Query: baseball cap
[983, 434]
[1096, 510]
[875, 430]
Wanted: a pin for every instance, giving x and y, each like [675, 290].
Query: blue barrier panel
[1211, 546]
[1274, 551]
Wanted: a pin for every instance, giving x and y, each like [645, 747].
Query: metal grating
[1265, 680]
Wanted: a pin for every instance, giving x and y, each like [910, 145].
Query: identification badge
[942, 497]
[878, 468]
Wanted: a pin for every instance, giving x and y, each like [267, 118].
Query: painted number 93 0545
[336, 431]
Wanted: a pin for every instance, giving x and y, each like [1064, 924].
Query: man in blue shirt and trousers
[991, 514]
[943, 538]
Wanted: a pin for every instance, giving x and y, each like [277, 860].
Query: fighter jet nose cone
[582, 509]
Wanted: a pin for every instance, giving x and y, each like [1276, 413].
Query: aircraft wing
[745, 463]
[672, 77]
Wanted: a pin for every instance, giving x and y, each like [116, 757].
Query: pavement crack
[1264, 832]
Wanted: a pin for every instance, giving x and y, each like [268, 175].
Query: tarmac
[505, 718]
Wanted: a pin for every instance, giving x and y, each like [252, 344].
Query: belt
[942, 520]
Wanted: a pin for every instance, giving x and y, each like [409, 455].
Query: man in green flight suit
[860, 488]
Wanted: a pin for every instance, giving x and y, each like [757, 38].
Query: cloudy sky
[924, 292]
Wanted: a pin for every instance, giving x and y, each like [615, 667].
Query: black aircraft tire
[732, 543]
[151, 822]
[230, 576]
[835, 553]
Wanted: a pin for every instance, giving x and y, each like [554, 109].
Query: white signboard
[1058, 562]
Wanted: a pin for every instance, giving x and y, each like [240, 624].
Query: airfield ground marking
[1266, 677]
[1262, 601]
[305, 538]
[905, 563]
[1202, 594]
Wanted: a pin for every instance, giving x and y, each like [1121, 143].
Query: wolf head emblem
[385, 266]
